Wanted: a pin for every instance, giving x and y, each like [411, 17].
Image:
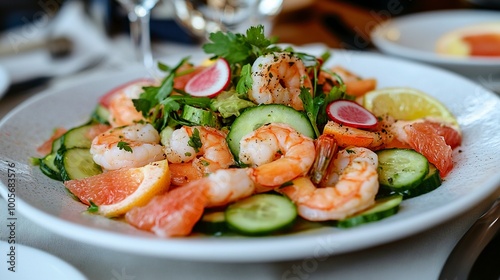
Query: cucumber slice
[382, 208]
[254, 117]
[199, 116]
[56, 144]
[213, 223]
[401, 169]
[77, 137]
[49, 168]
[100, 114]
[76, 163]
[261, 214]
[431, 182]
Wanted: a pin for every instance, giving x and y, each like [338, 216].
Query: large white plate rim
[310, 245]
[4, 81]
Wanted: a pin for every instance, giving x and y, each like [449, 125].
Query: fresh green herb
[245, 82]
[337, 92]
[315, 107]
[195, 140]
[163, 67]
[238, 48]
[325, 56]
[124, 146]
[311, 107]
[153, 102]
[93, 208]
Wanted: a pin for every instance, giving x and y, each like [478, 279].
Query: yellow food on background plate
[479, 40]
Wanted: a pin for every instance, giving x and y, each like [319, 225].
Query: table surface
[416, 257]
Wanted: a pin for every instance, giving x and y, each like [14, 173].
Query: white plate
[32, 263]
[414, 37]
[47, 203]
[4, 81]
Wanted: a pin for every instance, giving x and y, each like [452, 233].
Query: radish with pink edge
[352, 114]
[211, 81]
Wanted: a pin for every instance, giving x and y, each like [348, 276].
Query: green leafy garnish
[230, 104]
[157, 104]
[238, 48]
[245, 82]
[311, 106]
[315, 107]
[124, 146]
[93, 208]
[195, 140]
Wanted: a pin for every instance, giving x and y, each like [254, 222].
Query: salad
[253, 141]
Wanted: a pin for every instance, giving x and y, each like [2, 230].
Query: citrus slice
[116, 192]
[408, 104]
[170, 214]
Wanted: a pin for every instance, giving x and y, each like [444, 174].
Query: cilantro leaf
[124, 146]
[195, 140]
[238, 48]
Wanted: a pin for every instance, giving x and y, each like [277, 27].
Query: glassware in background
[202, 17]
[139, 12]
[267, 11]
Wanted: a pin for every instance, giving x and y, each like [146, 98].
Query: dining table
[418, 256]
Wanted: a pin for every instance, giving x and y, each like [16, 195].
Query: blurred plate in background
[415, 36]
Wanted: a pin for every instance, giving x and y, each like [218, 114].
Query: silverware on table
[469, 247]
[56, 46]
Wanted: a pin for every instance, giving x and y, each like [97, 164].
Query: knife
[469, 247]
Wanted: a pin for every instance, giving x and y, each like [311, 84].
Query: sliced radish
[211, 81]
[351, 114]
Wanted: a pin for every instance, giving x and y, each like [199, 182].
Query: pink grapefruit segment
[436, 142]
[117, 191]
[171, 214]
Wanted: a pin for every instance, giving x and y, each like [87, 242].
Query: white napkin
[90, 45]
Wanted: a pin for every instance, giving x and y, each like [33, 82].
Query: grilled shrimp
[205, 147]
[276, 153]
[121, 108]
[277, 78]
[351, 187]
[127, 146]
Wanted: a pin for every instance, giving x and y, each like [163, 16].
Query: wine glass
[139, 12]
[202, 17]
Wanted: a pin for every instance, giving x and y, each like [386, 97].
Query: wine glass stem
[139, 30]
